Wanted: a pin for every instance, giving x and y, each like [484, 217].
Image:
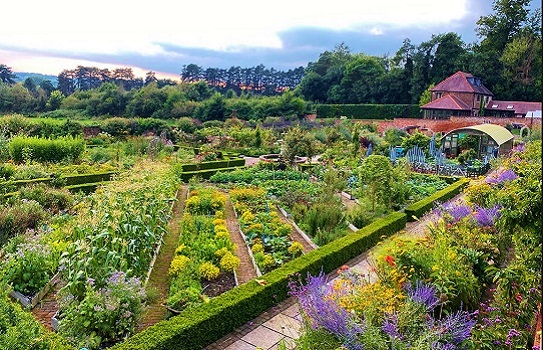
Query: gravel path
[158, 280]
[246, 271]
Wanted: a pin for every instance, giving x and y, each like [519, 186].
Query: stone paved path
[246, 271]
[158, 280]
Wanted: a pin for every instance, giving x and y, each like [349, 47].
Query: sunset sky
[48, 36]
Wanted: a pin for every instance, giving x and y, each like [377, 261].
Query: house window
[438, 95]
[478, 97]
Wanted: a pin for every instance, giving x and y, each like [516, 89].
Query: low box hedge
[21, 183]
[69, 181]
[85, 188]
[206, 174]
[418, 209]
[201, 325]
[88, 178]
[220, 164]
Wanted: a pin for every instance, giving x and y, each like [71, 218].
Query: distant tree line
[259, 79]
[507, 58]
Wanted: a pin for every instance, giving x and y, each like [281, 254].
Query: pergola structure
[494, 140]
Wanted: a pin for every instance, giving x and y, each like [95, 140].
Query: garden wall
[368, 111]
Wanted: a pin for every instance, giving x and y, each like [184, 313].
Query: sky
[162, 36]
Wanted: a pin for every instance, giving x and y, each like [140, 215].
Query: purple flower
[440, 346]
[519, 148]
[487, 217]
[424, 294]
[323, 312]
[506, 175]
[456, 211]
[390, 327]
[457, 326]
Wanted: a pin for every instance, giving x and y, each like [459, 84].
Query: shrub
[29, 268]
[229, 262]
[105, 315]
[19, 217]
[368, 111]
[7, 171]
[23, 148]
[208, 271]
[19, 330]
[53, 199]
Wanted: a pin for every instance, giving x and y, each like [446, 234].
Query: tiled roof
[520, 107]
[448, 102]
[462, 82]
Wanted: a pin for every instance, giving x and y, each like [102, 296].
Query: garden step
[158, 280]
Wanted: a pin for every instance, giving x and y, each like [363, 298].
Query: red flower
[518, 297]
[342, 269]
[390, 260]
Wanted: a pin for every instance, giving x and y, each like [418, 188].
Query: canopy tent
[493, 140]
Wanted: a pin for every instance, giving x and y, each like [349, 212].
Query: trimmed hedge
[199, 326]
[88, 178]
[219, 164]
[70, 180]
[368, 111]
[306, 166]
[20, 183]
[85, 188]
[46, 150]
[416, 210]
[206, 174]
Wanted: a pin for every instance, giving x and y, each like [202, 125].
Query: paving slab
[241, 345]
[263, 337]
[285, 343]
[284, 325]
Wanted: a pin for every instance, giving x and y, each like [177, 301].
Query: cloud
[116, 27]
[163, 36]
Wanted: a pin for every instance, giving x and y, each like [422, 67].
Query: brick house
[464, 95]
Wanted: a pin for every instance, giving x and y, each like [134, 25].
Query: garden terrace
[196, 327]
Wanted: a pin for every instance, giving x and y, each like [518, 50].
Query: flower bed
[265, 233]
[197, 327]
[113, 240]
[204, 262]
[458, 287]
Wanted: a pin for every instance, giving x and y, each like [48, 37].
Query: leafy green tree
[199, 91]
[55, 100]
[376, 175]
[6, 75]
[509, 54]
[47, 87]
[361, 80]
[417, 139]
[426, 96]
[297, 143]
[191, 73]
